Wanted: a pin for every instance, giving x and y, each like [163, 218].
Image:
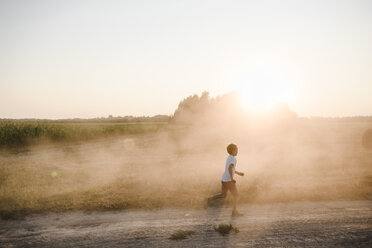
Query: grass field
[16, 134]
[153, 166]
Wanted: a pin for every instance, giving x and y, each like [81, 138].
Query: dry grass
[181, 169]
[181, 234]
[225, 229]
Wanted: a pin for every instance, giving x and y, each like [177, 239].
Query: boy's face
[235, 152]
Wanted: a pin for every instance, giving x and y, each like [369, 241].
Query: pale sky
[64, 59]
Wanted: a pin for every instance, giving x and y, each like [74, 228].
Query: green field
[15, 134]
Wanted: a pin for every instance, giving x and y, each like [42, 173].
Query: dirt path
[320, 224]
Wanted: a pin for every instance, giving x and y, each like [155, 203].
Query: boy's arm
[230, 172]
[239, 173]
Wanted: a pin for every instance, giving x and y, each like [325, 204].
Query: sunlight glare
[260, 93]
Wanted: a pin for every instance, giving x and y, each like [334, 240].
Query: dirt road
[320, 224]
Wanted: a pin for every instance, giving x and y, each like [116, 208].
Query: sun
[262, 87]
[260, 97]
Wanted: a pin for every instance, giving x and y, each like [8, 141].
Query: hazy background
[111, 164]
[62, 59]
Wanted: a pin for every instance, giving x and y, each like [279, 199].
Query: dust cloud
[284, 158]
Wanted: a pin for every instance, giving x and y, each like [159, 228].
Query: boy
[228, 182]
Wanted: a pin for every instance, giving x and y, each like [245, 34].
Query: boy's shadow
[215, 213]
[217, 209]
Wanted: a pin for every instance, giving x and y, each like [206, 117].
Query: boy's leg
[235, 203]
[223, 193]
[234, 192]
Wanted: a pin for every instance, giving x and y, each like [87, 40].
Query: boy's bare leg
[215, 197]
[219, 195]
[235, 203]
[235, 212]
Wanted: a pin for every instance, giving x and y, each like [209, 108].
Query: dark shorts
[231, 186]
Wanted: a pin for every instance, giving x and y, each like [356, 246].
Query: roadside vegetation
[18, 134]
[225, 229]
[181, 234]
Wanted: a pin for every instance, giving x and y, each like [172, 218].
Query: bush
[225, 229]
[181, 234]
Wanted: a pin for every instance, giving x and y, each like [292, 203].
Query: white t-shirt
[226, 175]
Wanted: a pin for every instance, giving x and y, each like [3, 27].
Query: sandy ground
[320, 224]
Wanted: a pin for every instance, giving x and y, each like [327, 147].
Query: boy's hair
[231, 148]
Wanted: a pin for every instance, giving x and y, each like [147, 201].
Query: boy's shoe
[235, 213]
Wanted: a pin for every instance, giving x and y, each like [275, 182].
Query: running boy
[228, 181]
